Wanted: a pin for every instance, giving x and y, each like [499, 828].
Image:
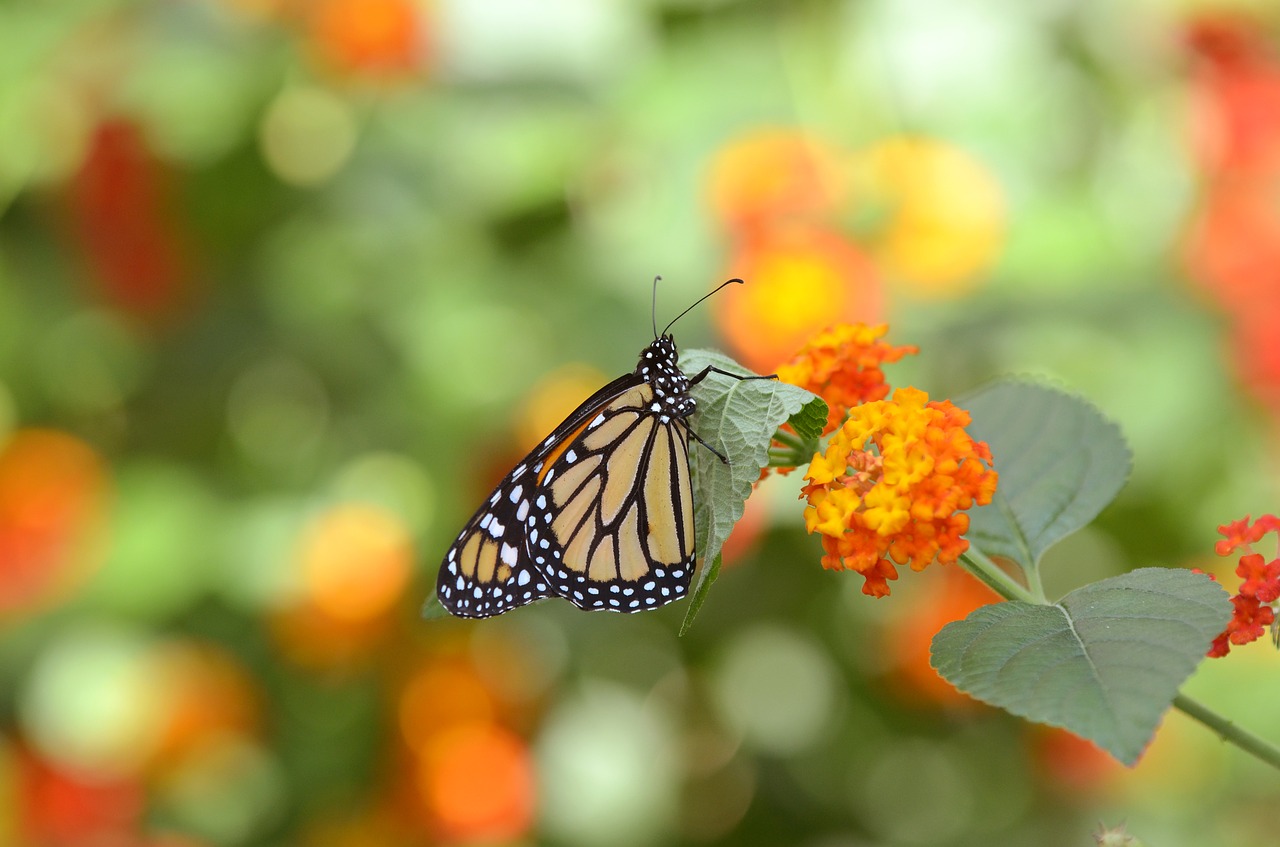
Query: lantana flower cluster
[842, 366]
[1254, 607]
[892, 485]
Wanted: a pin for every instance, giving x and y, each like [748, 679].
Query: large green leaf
[738, 418]
[1104, 663]
[1060, 462]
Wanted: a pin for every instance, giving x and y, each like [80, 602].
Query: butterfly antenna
[699, 300]
[653, 307]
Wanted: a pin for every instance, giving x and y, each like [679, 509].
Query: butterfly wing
[488, 569]
[612, 524]
[491, 567]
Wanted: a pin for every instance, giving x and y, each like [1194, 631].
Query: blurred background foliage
[285, 285]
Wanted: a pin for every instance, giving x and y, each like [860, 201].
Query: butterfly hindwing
[488, 570]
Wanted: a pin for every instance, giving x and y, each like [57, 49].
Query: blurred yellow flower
[891, 485]
[803, 279]
[552, 399]
[943, 213]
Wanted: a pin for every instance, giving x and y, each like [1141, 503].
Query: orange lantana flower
[892, 485]
[842, 366]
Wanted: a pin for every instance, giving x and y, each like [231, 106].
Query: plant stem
[789, 439]
[990, 574]
[1257, 747]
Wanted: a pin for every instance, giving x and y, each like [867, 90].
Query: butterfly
[601, 511]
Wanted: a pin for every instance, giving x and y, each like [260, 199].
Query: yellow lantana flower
[892, 486]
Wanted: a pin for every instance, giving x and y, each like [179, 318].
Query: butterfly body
[600, 513]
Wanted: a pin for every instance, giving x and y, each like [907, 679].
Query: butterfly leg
[698, 438]
[712, 369]
[699, 377]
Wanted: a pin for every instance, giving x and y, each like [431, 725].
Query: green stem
[990, 574]
[1226, 730]
[791, 440]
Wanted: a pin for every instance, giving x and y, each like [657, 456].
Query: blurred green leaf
[738, 417]
[431, 609]
[1104, 663]
[1060, 462]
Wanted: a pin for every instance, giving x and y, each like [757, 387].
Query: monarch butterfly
[601, 512]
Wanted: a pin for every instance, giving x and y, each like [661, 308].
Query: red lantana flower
[1253, 608]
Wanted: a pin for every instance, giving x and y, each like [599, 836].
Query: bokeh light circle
[776, 688]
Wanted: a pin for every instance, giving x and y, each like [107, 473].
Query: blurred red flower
[122, 217]
[1232, 249]
[58, 808]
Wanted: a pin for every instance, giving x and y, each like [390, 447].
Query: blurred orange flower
[356, 561]
[1074, 764]
[445, 692]
[948, 595]
[311, 637]
[941, 218]
[892, 485]
[774, 175]
[210, 694]
[368, 36]
[353, 563]
[803, 279]
[51, 491]
[477, 783]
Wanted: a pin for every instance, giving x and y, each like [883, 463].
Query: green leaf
[738, 418]
[1060, 463]
[810, 420]
[431, 608]
[1105, 662]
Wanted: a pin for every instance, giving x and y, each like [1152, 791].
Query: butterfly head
[659, 366]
